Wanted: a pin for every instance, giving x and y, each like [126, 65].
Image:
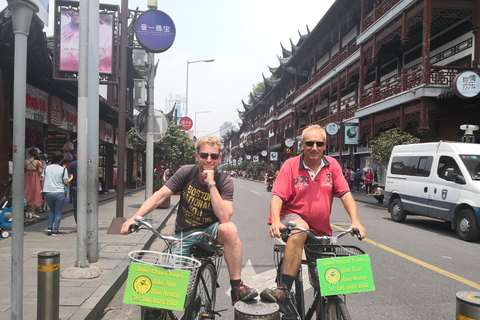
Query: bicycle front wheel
[202, 299]
[335, 309]
[153, 314]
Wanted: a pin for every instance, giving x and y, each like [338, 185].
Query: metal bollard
[48, 285]
[468, 305]
[256, 309]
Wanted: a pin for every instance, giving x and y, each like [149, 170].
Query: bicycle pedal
[207, 316]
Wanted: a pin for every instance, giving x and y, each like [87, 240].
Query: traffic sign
[187, 123]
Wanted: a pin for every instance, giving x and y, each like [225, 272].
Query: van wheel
[467, 226]
[397, 213]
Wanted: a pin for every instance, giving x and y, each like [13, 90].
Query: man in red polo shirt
[303, 193]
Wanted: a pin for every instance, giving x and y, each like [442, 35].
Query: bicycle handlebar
[140, 221]
[333, 239]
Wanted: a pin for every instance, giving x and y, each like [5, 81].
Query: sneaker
[280, 295]
[56, 233]
[242, 292]
[49, 231]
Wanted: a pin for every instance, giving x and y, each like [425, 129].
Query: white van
[439, 180]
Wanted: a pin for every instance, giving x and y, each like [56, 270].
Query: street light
[195, 132]
[186, 93]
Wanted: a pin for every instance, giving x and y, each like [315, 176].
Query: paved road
[418, 266]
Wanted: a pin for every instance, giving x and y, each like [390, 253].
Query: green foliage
[259, 87]
[174, 148]
[382, 145]
[256, 167]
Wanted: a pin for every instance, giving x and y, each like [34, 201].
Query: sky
[243, 36]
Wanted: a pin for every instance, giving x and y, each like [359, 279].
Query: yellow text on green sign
[156, 287]
[342, 275]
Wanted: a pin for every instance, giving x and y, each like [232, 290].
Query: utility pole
[22, 12]
[150, 119]
[82, 141]
[93, 132]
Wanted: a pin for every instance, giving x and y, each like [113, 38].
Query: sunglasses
[318, 143]
[214, 156]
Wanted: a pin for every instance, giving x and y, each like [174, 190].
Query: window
[445, 163]
[412, 166]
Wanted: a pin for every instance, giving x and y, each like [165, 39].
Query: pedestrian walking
[358, 178]
[56, 179]
[368, 182]
[33, 187]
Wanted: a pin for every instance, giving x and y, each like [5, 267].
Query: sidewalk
[79, 298]
[361, 196]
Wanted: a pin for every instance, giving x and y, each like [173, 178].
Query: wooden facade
[377, 64]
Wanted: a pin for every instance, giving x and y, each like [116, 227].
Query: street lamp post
[186, 93]
[195, 132]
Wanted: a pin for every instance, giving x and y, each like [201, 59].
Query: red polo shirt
[311, 199]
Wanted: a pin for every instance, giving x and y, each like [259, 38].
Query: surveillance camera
[469, 128]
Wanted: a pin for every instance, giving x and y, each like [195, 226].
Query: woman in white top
[56, 177]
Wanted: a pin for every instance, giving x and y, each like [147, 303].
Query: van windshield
[472, 163]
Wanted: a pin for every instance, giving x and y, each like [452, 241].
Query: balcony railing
[379, 11]
[439, 75]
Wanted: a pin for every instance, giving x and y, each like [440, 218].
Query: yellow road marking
[255, 192]
[424, 264]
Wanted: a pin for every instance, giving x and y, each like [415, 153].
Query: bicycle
[327, 307]
[204, 267]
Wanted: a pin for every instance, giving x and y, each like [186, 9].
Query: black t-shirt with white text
[195, 207]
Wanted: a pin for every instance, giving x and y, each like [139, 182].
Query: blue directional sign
[155, 31]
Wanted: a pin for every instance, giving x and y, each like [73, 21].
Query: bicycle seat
[199, 252]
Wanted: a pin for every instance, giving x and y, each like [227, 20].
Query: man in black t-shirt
[203, 208]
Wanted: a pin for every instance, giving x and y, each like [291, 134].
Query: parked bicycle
[316, 247]
[204, 266]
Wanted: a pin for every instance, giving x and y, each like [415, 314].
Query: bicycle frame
[299, 293]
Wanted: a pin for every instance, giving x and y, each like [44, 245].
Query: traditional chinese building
[366, 67]
[51, 105]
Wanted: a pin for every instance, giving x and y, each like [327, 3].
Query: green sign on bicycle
[342, 275]
[156, 287]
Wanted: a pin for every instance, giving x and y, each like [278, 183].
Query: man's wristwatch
[211, 185]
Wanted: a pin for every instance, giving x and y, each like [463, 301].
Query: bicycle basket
[315, 251]
[168, 261]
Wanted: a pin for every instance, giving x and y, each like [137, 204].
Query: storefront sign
[351, 134]
[249, 157]
[36, 104]
[466, 85]
[273, 156]
[55, 112]
[289, 143]
[255, 159]
[155, 31]
[264, 153]
[105, 131]
[288, 150]
[332, 128]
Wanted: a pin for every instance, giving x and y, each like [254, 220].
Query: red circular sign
[187, 123]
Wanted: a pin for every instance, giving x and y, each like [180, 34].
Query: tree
[382, 145]
[174, 148]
